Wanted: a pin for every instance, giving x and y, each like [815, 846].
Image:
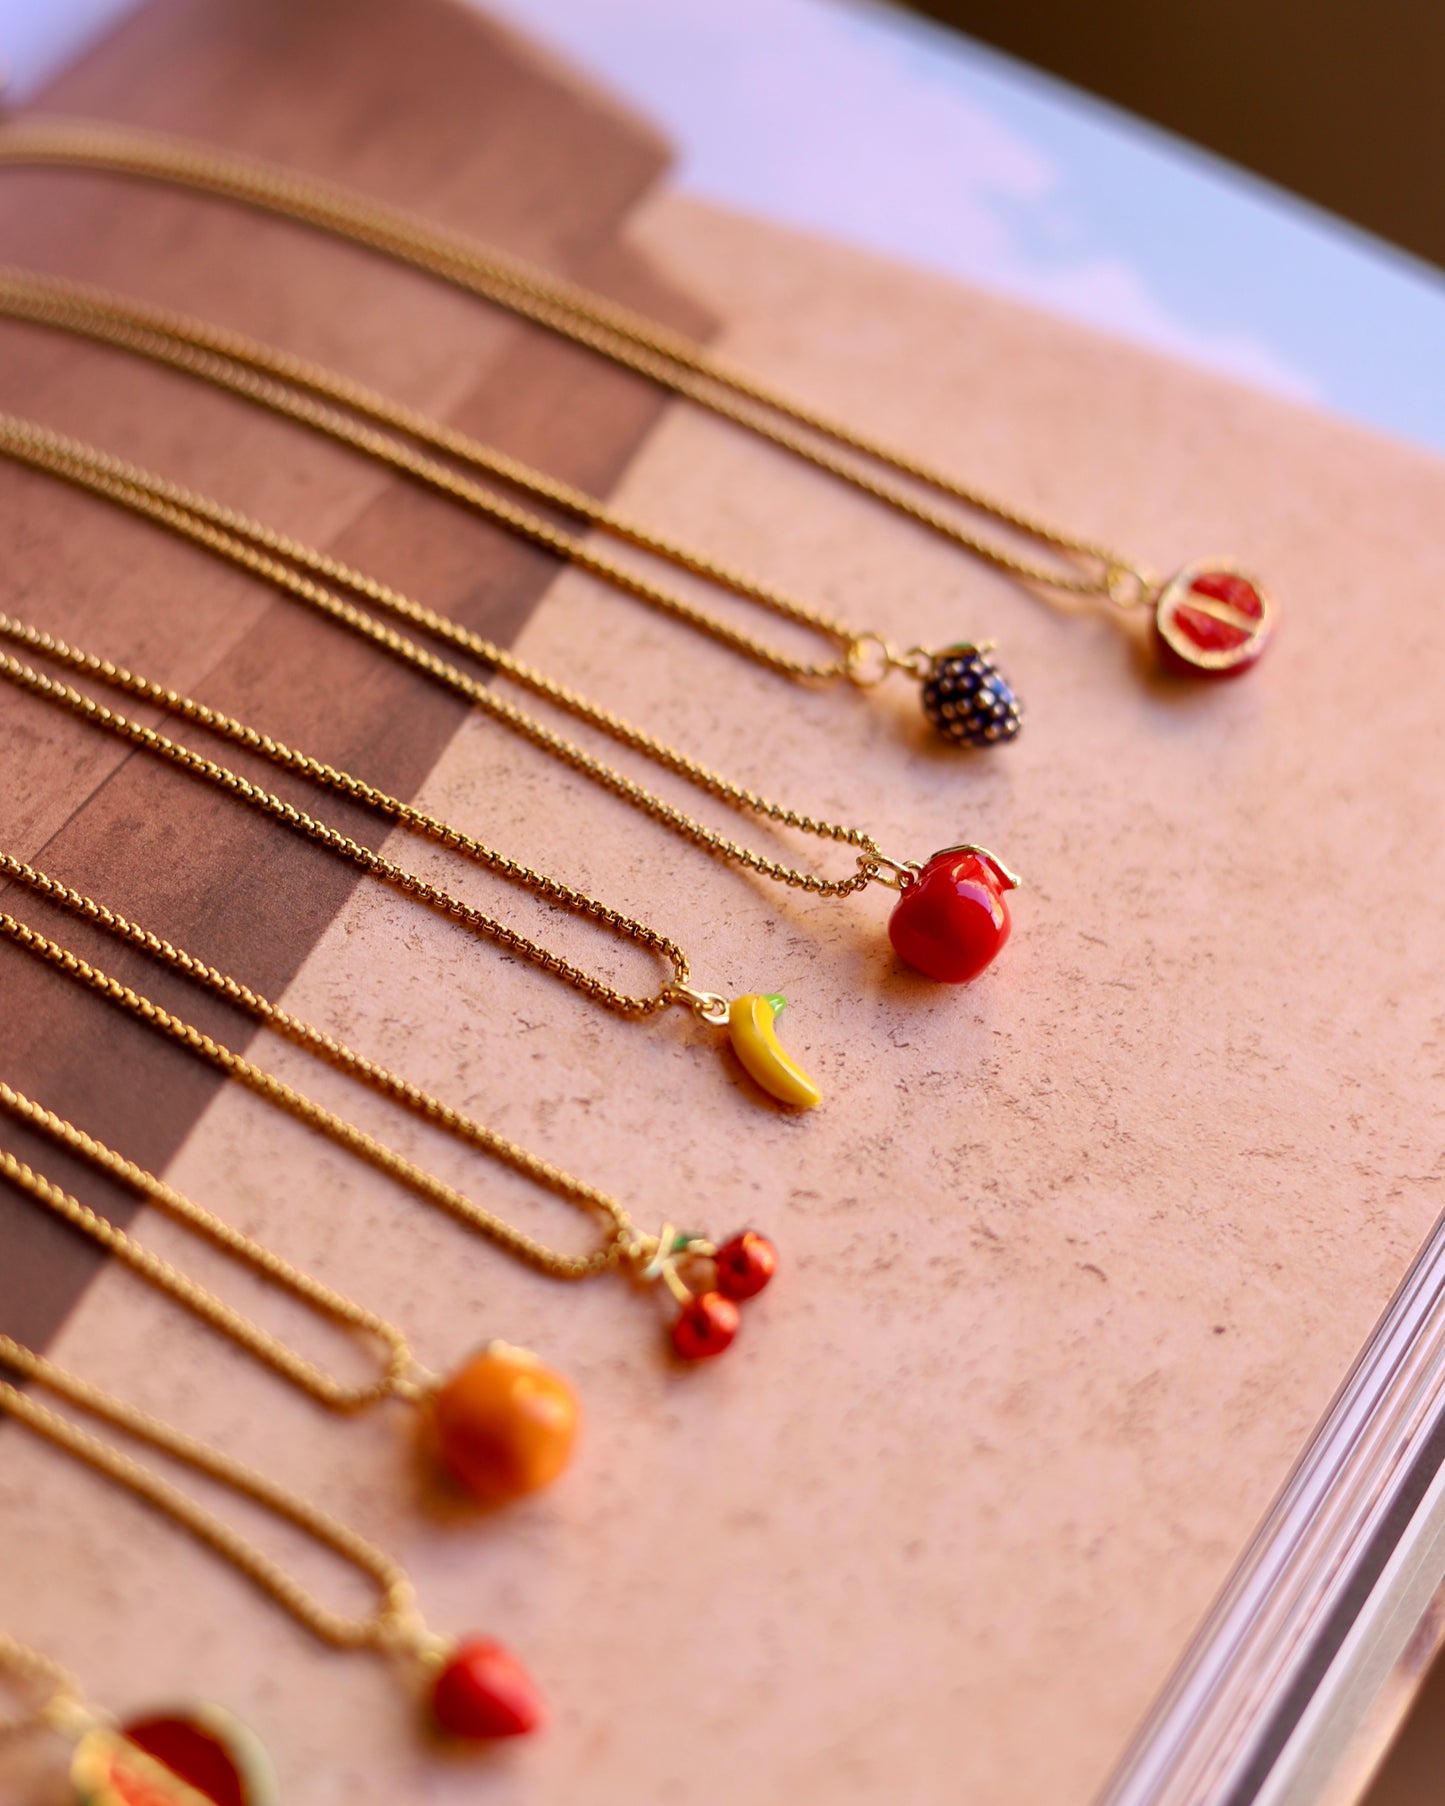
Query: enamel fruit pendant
[950, 923]
[482, 1693]
[709, 1282]
[951, 920]
[1211, 621]
[753, 1033]
[195, 1755]
[474, 1688]
[966, 698]
[503, 1425]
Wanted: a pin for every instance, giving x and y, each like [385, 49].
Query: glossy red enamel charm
[951, 921]
[705, 1326]
[484, 1693]
[745, 1265]
[1211, 621]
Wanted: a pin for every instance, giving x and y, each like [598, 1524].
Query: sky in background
[873, 126]
[851, 119]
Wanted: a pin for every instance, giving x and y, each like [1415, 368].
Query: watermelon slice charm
[192, 1756]
[1211, 620]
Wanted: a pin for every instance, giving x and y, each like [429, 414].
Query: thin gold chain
[621, 1242]
[287, 386]
[60, 1707]
[393, 1625]
[192, 517]
[399, 1376]
[431, 827]
[376, 865]
[333, 1052]
[59, 1692]
[618, 333]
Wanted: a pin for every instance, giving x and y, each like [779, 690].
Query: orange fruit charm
[504, 1424]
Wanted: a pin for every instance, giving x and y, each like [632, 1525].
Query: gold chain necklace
[750, 1019]
[146, 1759]
[964, 696]
[1209, 620]
[476, 1689]
[950, 921]
[502, 1425]
[706, 1280]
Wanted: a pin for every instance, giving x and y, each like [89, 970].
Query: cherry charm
[709, 1281]
[745, 1265]
[705, 1326]
[951, 921]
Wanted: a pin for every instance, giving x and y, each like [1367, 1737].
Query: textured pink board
[1074, 1258]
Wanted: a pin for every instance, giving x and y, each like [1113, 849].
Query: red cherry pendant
[745, 1265]
[1211, 621]
[951, 921]
[705, 1326]
[484, 1693]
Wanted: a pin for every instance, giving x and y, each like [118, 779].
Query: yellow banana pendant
[752, 1028]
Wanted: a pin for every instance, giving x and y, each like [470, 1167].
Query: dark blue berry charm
[967, 699]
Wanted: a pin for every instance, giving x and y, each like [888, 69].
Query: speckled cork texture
[1074, 1258]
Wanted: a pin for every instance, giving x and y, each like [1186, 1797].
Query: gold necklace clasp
[897, 874]
[1128, 587]
[870, 658]
[707, 1006]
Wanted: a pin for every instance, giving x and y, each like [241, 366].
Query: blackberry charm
[967, 699]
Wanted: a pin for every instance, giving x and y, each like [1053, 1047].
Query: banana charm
[752, 1028]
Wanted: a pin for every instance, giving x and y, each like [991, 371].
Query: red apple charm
[951, 920]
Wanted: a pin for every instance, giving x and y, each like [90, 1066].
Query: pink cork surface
[1073, 1258]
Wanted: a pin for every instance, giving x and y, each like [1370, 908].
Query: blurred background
[1339, 101]
[880, 126]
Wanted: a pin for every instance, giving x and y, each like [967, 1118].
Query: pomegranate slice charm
[1211, 621]
[951, 922]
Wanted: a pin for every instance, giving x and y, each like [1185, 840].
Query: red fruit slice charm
[1211, 621]
[951, 921]
[484, 1693]
[195, 1756]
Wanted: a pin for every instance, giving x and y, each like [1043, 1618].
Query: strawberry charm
[951, 920]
